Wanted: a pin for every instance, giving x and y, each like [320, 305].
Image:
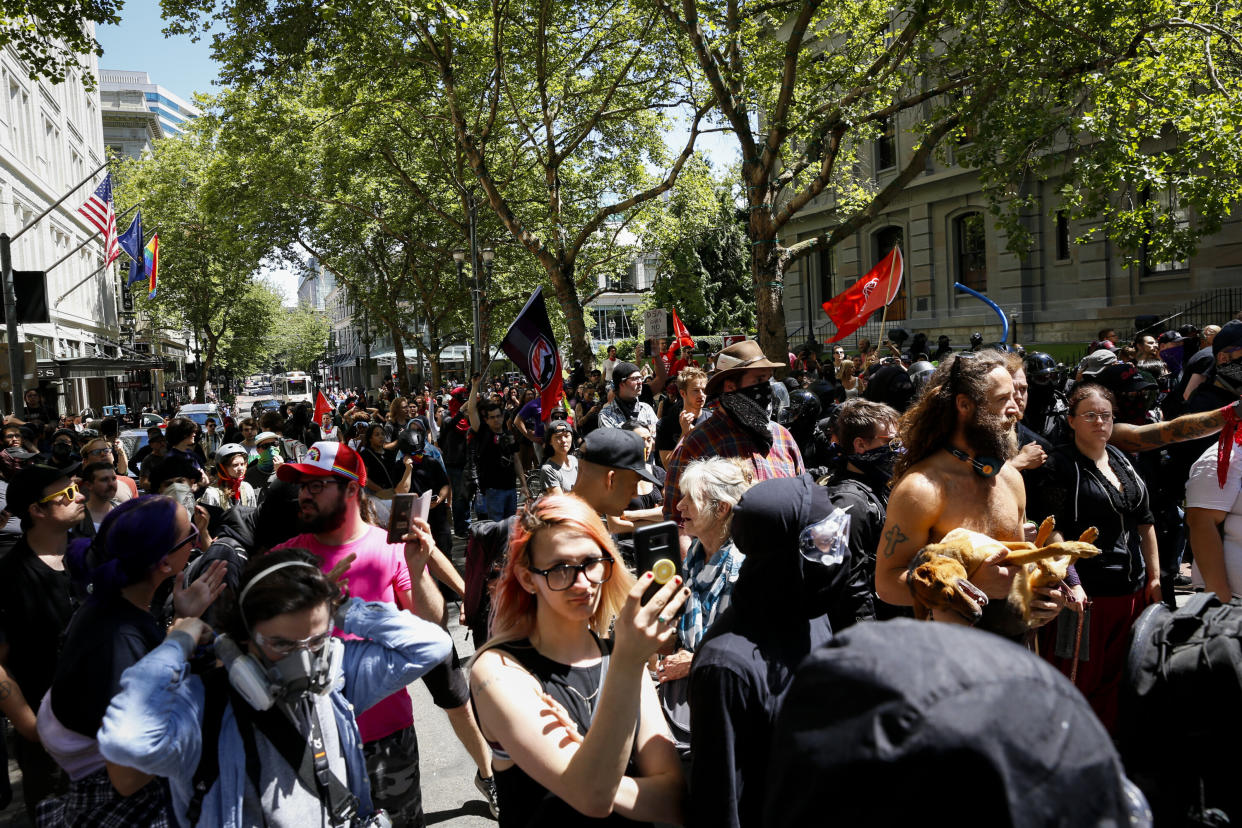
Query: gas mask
[183, 493]
[63, 453]
[263, 683]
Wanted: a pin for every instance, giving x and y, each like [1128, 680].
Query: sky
[185, 67]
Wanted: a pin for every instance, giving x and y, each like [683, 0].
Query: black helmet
[920, 372]
[976, 339]
[412, 440]
[803, 408]
[1041, 369]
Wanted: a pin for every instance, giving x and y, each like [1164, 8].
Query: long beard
[991, 435]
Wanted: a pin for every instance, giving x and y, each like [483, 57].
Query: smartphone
[399, 517]
[656, 549]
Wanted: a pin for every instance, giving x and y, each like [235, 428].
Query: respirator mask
[307, 669]
[263, 683]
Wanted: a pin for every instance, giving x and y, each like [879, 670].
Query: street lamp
[459, 256]
[368, 339]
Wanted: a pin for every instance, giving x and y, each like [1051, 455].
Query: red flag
[851, 308]
[681, 338]
[321, 407]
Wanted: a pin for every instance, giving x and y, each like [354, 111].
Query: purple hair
[132, 539]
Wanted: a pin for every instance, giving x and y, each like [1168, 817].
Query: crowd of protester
[248, 560]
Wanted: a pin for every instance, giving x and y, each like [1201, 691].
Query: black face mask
[751, 409]
[760, 393]
[876, 465]
[1230, 375]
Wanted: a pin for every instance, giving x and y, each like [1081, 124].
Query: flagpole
[84, 243]
[57, 202]
[888, 299]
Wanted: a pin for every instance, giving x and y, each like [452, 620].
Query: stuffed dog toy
[939, 573]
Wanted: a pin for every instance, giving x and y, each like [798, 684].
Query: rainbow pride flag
[152, 255]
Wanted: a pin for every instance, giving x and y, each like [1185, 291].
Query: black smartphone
[399, 517]
[656, 549]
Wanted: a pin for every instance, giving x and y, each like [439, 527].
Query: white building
[171, 110]
[51, 137]
[315, 285]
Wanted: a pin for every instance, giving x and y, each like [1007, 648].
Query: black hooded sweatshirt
[742, 669]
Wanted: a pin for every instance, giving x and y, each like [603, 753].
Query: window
[1175, 219]
[1063, 236]
[826, 259]
[883, 242]
[970, 235]
[886, 146]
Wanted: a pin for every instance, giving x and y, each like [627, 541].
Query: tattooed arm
[1186, 427]
[13, 704]
[913, 508]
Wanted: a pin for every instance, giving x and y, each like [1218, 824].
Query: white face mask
[183, 494]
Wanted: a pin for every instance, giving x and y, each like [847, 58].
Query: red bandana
[1229, 435]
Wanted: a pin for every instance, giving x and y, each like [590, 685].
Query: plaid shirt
[718, 436]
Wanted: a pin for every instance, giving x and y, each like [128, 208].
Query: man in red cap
[332, 481]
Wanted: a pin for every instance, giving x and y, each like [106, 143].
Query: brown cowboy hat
[736, 360]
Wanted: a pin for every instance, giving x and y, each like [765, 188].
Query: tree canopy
[49, 38]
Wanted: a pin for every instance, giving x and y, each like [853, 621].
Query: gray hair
[716, 480]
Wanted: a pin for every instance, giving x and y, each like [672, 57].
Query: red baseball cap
[326, 459]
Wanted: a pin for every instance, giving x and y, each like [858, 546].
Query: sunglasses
[71, 491]
[190, 538]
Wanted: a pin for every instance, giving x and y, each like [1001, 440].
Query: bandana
[749, 416]
[1229, 435]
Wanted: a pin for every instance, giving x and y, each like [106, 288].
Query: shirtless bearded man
[957, 438]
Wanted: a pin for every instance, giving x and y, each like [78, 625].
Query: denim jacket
[154, 724]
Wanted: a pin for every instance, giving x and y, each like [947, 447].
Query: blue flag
[131, 243]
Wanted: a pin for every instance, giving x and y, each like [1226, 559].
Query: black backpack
[1181, 705]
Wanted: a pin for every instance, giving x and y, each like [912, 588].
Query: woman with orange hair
[575, 726]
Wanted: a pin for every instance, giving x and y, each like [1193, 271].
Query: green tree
[49, 38]
[704, 269]
[1119, 99]
[209, 247]
[302, 337]
[557, 114]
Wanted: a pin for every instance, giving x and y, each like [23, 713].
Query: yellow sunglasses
[72, 491]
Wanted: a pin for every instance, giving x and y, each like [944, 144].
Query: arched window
[883, 242]
[970, 237]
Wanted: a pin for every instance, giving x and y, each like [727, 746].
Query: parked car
[199, 412]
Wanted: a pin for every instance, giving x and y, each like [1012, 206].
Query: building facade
[51, 137]
[129, 127]
[170, 110]
[1061, 291]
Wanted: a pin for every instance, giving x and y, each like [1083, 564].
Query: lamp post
[459, 256]
[368, 339]
[489, 256]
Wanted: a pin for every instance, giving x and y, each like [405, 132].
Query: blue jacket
[154, 724]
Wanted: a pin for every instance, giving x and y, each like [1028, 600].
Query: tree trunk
[204, 368]
[571, 306]
[398, 345]
[767, 270]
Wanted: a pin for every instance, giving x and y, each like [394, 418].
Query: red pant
[1107, 642]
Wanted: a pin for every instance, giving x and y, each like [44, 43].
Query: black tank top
[524, 803]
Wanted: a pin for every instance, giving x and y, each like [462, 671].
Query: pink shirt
[377, 574]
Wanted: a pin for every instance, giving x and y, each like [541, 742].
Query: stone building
[1061, 292]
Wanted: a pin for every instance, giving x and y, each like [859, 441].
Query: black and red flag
[532, 347]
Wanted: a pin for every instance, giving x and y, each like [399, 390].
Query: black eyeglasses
[562, 576]
[190, 538]
[317, 486]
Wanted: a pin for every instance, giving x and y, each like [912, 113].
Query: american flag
[98, 211]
